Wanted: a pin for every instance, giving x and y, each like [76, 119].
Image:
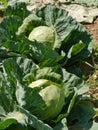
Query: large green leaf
[71, 80]
[24, 119]
[29, 23]
[13, 17]
[17, 9]
[6, 94]
[7, 101]
[8, 28]
[6, 123]
[17, 68]
[81, 117]
[33, 50]
[33, 121]
[62, 125]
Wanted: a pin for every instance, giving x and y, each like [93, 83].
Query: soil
[93, 80]
[93, 29]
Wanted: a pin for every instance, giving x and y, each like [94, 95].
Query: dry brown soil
[93, 29]
[93, 80]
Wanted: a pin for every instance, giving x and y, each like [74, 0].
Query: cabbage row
[36, 89]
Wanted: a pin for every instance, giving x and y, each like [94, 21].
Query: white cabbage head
[43, 34]
[53, 97]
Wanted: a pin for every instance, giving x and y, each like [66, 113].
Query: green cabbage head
[53, 97]
[43, 34]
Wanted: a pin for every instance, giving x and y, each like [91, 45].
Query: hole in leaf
[96, 119]
[74, 121]
[91, 120]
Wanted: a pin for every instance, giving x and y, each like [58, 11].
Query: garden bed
[42, 93]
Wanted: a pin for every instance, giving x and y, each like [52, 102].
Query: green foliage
[23, 62]
[4, 2]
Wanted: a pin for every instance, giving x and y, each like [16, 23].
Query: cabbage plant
[36, 96]
[65, 40]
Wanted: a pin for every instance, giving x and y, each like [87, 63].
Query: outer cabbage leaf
[33, 50]
[81, 117]
[17, 9]
[7, 101]
[12, 19]
[17, 68]
[62, 125]
[7, 32]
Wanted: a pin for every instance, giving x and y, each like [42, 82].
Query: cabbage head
[53, 97]
[43, 34]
